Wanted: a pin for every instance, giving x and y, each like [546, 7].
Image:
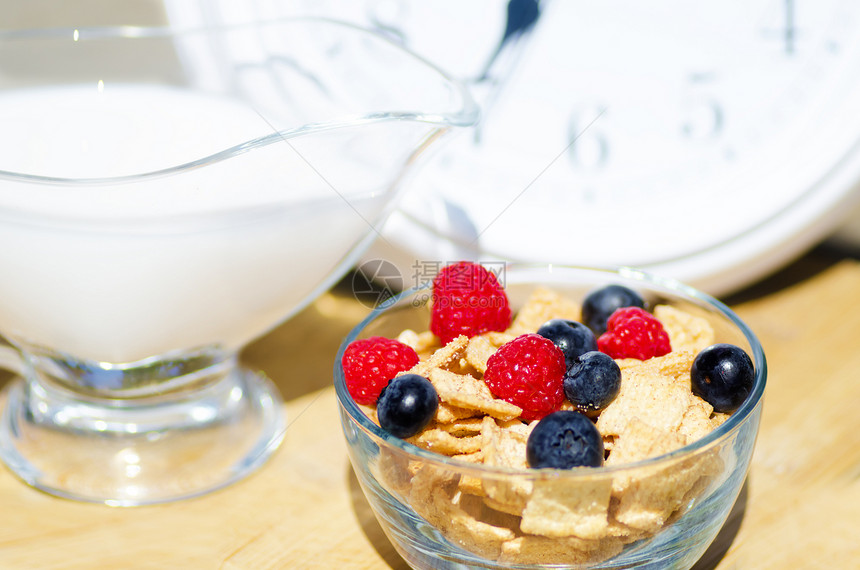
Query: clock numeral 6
[589, 145]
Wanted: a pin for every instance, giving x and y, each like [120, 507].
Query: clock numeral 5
[702, 119]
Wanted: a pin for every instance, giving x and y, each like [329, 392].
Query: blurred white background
[578, 108]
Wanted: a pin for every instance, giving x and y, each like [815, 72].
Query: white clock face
[709, 141]
[701, 138]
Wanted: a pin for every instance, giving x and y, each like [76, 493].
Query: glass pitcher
[166, 196]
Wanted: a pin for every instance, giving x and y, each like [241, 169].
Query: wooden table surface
[303, 509]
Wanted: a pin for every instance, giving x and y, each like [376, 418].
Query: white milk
[214, 255]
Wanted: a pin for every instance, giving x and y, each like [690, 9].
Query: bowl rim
[462, 113]
[723, 431]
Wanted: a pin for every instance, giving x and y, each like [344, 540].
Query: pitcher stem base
[129, 453]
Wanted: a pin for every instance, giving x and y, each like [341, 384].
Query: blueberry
[571, 337]
[563, 440]
[406, 405]
[599, 305]
[592, 382]
[723, 376]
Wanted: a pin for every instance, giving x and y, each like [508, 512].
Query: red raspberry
[468, 300]
[632, 332]
[369, 364]
[528, 372]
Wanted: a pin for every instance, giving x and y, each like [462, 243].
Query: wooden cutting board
[800, 508]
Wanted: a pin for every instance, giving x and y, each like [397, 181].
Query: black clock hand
[521, 19]
[522, 16]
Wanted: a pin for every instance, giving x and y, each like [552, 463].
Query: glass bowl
[673, 505]
[167, 194]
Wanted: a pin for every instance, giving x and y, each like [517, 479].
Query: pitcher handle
[10, 357]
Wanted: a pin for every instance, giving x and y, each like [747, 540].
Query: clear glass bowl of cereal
[460, 492]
